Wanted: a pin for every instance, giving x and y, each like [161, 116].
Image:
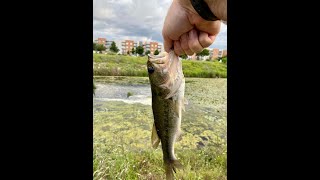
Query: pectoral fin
[185, 102]
[155, 140]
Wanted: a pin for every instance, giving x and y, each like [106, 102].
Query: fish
[167, 87]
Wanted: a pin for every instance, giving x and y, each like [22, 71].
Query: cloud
[221, 39]
[138, 20]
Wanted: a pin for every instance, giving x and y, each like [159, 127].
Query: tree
[128, 52]
[224, 59]
[205, 52]
[94, 46]
[147, 52]
[156, 52]
[114, 47]
[100, 47]
[133, 51]
[139, 50]
[184, 56]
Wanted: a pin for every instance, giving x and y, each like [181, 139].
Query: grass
[122, 163]
[122, 132]
[129, 94]
[119, 65]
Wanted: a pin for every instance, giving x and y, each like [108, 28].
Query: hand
[187, 32]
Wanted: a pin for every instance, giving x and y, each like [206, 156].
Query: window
[127, 43]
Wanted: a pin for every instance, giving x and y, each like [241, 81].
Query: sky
[138, 20]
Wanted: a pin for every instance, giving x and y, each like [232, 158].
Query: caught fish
[167, 86]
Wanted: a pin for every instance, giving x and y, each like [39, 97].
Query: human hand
[186, 31]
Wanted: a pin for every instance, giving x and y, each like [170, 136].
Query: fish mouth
[157, 59]
[158, 62]
[159, 65]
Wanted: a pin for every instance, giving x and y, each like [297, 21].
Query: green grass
[122, 135]
[129, 94]
[204, 69]
[119, 65]
[117, 162]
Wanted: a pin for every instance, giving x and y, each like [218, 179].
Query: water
[118, 92]
[199, 119]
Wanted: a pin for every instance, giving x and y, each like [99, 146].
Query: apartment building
[152, 47]
[224, 53]
[108, 44]
[218, 53]
[101, 41]
[127, 45]
[215, 53]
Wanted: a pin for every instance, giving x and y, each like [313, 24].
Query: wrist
[186, 4]
[219, 8]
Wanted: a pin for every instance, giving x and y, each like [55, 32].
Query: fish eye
[150, 69]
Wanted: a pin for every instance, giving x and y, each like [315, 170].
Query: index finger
[167, 43]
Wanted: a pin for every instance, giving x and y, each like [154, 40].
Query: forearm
[217, 7]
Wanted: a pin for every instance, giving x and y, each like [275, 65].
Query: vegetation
[139, 50]
[184, 56]
[129, 94]
[117, 65]
[114, 47]
[147, 52]
[156, 52]
[121, 141]
[205, 52]
[94, 46]
[133, 51]
[99, 47]
[224, 59]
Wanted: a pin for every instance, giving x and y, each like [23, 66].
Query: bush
[116, 65]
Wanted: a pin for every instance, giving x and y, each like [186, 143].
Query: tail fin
[170, 167]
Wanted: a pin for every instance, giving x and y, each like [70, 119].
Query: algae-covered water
[122, 130]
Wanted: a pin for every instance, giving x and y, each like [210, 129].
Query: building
[224, 53]
[108, 44]
[140, 43]
[192, 57]
[215, 53]
[127, 45]
[101, 41]
[218, 53]
[159, 48]
[104, 41]
[152, 47]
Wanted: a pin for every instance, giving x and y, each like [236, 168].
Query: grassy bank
[117, 65]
